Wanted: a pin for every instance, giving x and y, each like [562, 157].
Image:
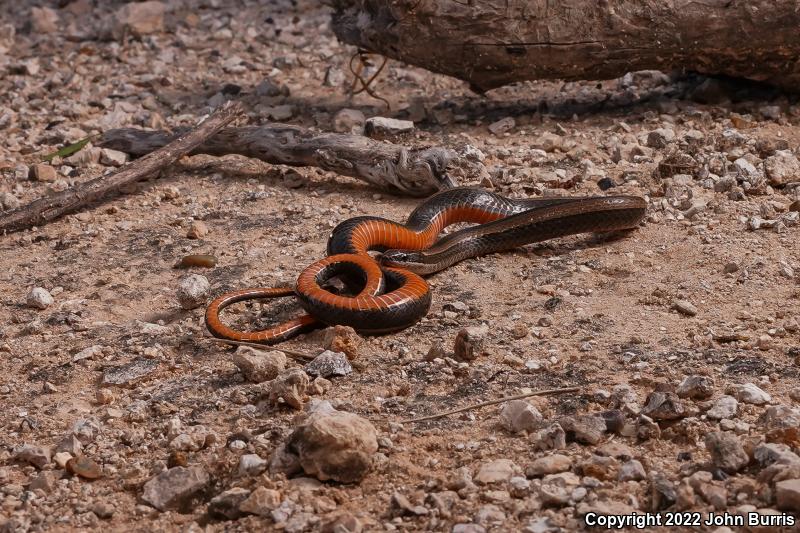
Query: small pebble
[685, 307]
[193, 291]
[329, 364]
[197, 230]
[724, 407]
[84, 467]
[43, 172]
[197, 260]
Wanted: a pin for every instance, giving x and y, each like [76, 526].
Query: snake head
[405, 259]
[398, 258]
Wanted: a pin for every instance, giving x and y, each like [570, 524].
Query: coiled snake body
[391, 294]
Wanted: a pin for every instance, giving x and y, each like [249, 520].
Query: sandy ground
[582, 311]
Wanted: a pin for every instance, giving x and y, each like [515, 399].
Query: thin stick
[53, 206]
[260, 347]
[493, 402]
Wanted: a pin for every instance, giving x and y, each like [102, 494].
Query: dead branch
[53, 206]
[411, 171]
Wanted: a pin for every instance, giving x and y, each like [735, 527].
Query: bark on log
[415, 172]
[493, 43]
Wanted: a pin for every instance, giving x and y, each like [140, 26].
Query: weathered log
[411, 171]
[493, 43]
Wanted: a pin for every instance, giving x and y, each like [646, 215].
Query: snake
[389, 291]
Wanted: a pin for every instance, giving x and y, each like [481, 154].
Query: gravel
[120, 349]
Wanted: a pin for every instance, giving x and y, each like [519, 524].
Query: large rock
[726, 451]
[725, 407]
[787, 495]
[782, 168]
[38, 456]
[44, 20]
[749, 393]
[258, 365]
[664, 406]
[696, 387]
[226, 505]
[337, 446]
[139, 18]
[586, 429]
[519, 415]
[175, 488]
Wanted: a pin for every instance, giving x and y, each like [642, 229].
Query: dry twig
[295, 354]
[493, 402]
[53, 206]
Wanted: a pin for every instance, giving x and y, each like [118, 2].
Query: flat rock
[499, 470]
[377, 126]
[664, 406]
[550, 464]
[503, 125]
[113, 158]
[685, 307]
[128, 373]
[139, 18]
[84, 467]
[175, 488]
[44, 481]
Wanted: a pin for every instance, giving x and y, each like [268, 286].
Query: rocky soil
[119, 413]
